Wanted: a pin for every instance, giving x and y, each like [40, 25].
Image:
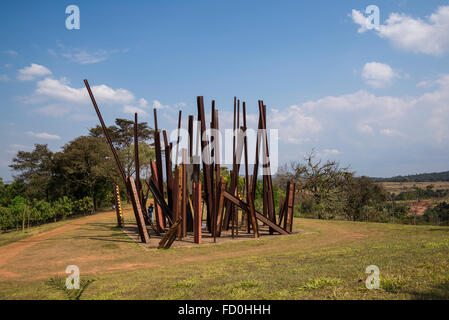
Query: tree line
[49, 186]
[325, 190]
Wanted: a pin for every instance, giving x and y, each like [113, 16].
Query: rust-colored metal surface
[180, 195]
[143, 232]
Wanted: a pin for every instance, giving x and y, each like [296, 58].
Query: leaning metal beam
[106, 133]
[143, 232]
[259, 216]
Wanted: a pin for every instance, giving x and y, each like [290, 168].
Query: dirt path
[11, 250]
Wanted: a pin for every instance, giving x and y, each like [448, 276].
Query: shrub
[63, 207]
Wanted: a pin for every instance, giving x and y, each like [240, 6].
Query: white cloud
[350, 117]
[378, 74]
[294, 126]
[365, 128]
[32, 72]
[359, 19]
[361, 101]
[43, 135]
[143, 103]
[158, 105]
[131, 110]
[60, 90]
[428, 36]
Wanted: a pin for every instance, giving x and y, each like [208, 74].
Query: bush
[6, 219]
[83, 205]
[438, 214]
[63, 207]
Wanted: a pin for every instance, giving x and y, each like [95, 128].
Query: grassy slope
[328, 264]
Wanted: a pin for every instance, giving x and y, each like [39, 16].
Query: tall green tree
[86, 163]
[35, 169]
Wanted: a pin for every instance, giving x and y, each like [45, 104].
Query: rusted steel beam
[177, 137]
[281, 210]
[106, 133]
[212, 171]
[176, 194]
[259, 216]
[184, 195]
[197, 223]
[190, 130]
[158, 151]
[160, 221]
[229, 207]
[170, 235]
[266, 157]
[168, 170]
[233, 189]
[143, 232]
[249, 199]
[136, 161]
[290, 207]
[220, 208]
[256, 160]
[160, 200]
[206, 167]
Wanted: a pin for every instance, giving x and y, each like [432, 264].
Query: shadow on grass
[436, 292]
[440, 229]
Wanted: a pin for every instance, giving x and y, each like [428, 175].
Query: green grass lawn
[327, 264]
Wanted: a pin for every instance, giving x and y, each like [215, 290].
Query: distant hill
[422, 177]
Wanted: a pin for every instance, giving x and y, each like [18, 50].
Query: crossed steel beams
[182, 212]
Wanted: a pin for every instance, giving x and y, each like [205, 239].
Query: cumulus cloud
[43, 135]
[61, 90]
[378, 74]
[158, 105]
[143, 103]
[351, 117]
[32, 72]
[131, 110]
[428, 36]
[294, 126]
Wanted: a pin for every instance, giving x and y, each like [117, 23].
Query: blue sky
[377, 100]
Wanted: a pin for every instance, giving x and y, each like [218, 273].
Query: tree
[317, 182]
[35, 170]
[122, 136]
[86, 163]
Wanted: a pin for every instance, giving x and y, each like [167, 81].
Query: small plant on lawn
[72, 294]
[319, 283]
[392, 285]
[187, 283]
